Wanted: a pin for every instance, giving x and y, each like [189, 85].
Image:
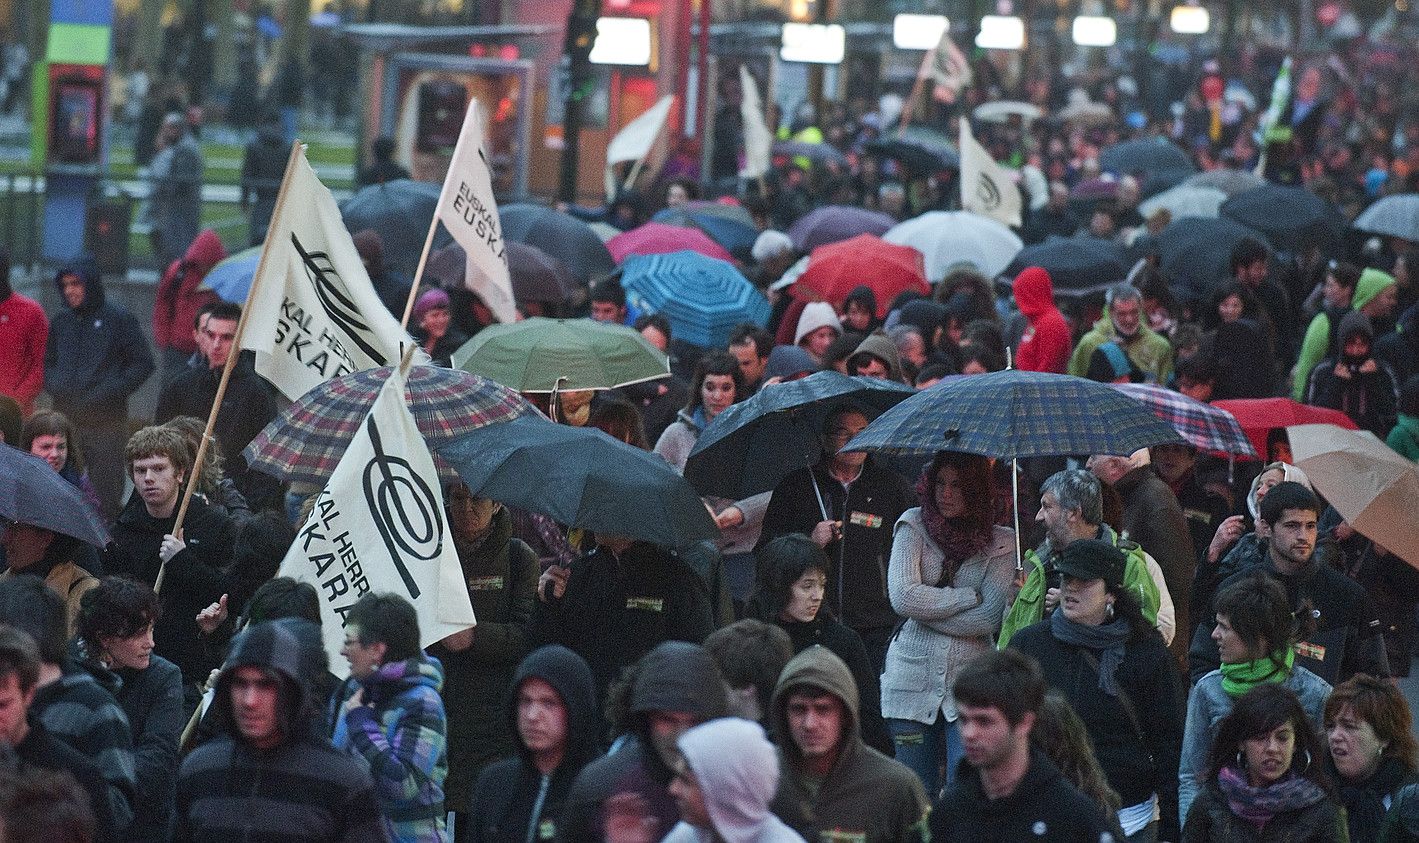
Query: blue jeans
[931, 752]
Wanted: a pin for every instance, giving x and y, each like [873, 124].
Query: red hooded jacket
[178, 298]
[1046, 345]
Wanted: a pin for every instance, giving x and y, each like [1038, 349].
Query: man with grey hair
[1123, 324]
[1071, 508]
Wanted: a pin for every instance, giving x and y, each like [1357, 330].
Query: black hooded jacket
[1044, 806]
[507, 793]
[96, 355]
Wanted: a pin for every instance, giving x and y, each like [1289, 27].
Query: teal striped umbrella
[703, 298]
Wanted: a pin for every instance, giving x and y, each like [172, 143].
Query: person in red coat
[179, 298]
[24, 329]
[1046, 345]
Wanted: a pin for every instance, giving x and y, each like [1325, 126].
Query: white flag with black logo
[316, 313]
[470, 213]
[986, 187]
[380, 526]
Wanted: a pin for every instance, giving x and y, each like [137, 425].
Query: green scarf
[1241, 677]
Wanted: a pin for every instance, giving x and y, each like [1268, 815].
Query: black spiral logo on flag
[988, 192]
[336, 300]
[405, 510]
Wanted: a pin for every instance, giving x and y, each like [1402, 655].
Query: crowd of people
[1188, 649]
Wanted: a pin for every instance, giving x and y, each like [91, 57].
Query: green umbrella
[543, 355]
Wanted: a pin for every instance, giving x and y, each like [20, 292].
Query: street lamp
[1001, 32]
[1189, 20]
[1095, 31]
[918, 32]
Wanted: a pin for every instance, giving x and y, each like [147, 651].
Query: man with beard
[1122, 323]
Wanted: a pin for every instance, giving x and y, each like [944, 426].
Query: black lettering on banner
[404, 509]
[335, 298]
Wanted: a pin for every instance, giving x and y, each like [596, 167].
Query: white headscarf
[737, 769]
[1288, 473]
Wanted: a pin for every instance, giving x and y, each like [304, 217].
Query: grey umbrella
[33, 493]
[401, 212]
[560, 235]
[1392, 216]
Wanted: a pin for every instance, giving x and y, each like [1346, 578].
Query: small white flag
[316, 315]
[949, 69]
[380, 526]
[470, 213]
[634, 141]
[986, 187]
[758, 140]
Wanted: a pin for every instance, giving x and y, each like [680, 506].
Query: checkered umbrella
[1014, 414]
[307, 439]
[1204, 426]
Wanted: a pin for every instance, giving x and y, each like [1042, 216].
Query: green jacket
[1404, 437]
[1150, 352]
[1029, 605]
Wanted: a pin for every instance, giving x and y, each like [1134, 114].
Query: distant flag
[986, 187]
[634, 141]
[758, 139]
[467, 208]
[948, 69]
[1271, 128]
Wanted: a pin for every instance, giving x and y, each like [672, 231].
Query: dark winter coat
[180, 294]
[1044, 806]
[1153, 518]
[42, 751]
[847, 645]
[248, 405]
[1366, 802]
[1211, 821]
[96, 355]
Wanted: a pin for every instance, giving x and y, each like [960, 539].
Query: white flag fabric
[470, 213]
[758, 140]
[634, 141]
[316, 315]
[380, 526]
[948, 68]
[986, 187]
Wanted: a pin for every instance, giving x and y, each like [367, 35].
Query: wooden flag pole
[231, 360]
[419, 273]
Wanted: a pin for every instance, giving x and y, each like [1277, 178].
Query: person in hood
[675, 686]
[1338, 293]
[876, 357]
[179, 297]
[833, 785]
[1122, 323]
[817, 327]
[389, 714]
[1045, 347]
[860, 311]
[724, 777]
[1005, 789]
[24, 330]
[552, 710]
[1353, 381]
[271, 774]
[788, 363]
[95, 357]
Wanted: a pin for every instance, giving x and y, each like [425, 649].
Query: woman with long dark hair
[1265, 777]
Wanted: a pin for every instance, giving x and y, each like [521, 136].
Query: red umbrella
[1259, 416]
[865, 260]
[656, 238]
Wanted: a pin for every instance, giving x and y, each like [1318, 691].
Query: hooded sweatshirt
[866, 795]
[1368, 398]
[1045, 347]
[96, 355]
[818, 314]
[513, 800]
[677, 677]
[301, 789]
[1321, 334]
[737, 771]
[881, 347]
[180, 296]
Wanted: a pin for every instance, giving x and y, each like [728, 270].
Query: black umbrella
[1145, 156]
[560, 235]
[754, 444]
[33, 493]
[400, 211]
[1196, 253]
[536, 275]
[1292, 217]
[919, 150]
[1077, 266]
[581, 477]
[817, 153]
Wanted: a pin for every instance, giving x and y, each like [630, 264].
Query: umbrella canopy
[886, 268]
[1259, 416]
[704, 298]
[656, 238]
[400, 211]
[1014, 414]
[33, 493]
[834, 223]
[1196, 253]
[734, 234]
[1077, 266]
[1185, 200]
[532, 355]
[581, 477]
[1392, 216]
[1085, 111]
[1372, 487]
[816, 153]
[1145, 156]
[1291, 217]
[560, 235]
[754, 444]
[307, 439]
[1204, 426]
[920, 150]
[604, 230]
[1092, 190]
[536, 275]
[231, 278]
[946, 238]
[1000, 111]
[1230, 182]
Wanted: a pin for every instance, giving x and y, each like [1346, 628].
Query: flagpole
[419, 273]
[916, 91]
[232, 356]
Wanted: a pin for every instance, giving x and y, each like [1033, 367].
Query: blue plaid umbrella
[703, 298]
[1014, 414]
[754, 444]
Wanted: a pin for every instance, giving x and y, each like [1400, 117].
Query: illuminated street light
[815, 43]
[1095, 31]
[918, 32]
[1001, 32]
[622, 41]
[1189, 20]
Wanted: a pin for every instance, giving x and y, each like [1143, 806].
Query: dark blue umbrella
[1196, 254]
[560, 235]
[754, 444]
[33, 493]
[835, 223]
[734, 235]
[400, 211]
[1291, 217]
[704, 298]
[1013, 415]
[919, 150]
[816, 153]
[1077, 266]
[581, 477]
[1145, 156]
